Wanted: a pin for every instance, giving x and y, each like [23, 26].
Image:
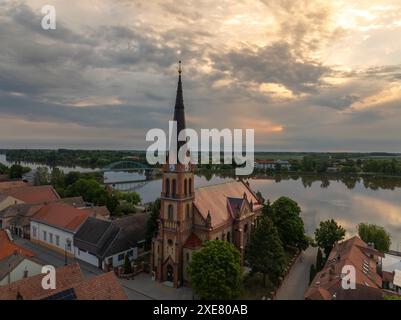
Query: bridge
[127, 165]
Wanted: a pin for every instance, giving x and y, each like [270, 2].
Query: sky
[306, 75]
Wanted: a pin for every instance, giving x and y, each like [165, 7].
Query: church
[189, 216]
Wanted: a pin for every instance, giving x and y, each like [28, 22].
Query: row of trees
[70, 158]
[89, 187]
[15, 171]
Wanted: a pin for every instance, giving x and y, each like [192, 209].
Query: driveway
[297, 281]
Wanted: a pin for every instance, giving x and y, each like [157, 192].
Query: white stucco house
[55, 224]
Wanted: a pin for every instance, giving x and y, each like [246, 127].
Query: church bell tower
[176, 212]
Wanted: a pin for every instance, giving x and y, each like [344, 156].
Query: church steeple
[179, 113]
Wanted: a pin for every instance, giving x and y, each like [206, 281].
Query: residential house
[16, 262]
[55, 224]
[9, 184]
[265, 164]
[33, 194]
[70, 285]
[5, 202]
[105, 243]
[17, 217]
[9, 247]
[17, 266]
[391, 269]
[366, 261]
[93, 239]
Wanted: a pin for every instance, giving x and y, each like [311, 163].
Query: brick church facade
[189, 216]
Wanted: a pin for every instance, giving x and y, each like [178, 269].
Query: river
[348, 200]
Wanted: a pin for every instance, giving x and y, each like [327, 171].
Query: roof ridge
[217, 184]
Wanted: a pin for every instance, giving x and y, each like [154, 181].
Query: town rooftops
[214, 199]
[33, 194]
[70, 285]
[9, 184]
[104, 238]
[132, 231]
[20, 209]
[327, 283]
[61, 216]
[8, 247]
[11, 262]
[95, 235]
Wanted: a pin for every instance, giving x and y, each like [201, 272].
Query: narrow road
[297, 281]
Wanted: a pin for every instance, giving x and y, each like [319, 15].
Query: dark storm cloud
[272, 64]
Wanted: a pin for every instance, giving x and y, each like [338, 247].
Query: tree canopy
[285, 214]
[371, 233]
[215, 271]
[328, 233]
[265, 251]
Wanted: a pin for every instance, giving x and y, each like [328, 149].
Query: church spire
[179, 114]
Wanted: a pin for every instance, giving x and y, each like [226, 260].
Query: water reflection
[349, 200]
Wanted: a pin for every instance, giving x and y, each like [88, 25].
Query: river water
[348, 200]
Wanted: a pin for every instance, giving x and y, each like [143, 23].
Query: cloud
[305, 74]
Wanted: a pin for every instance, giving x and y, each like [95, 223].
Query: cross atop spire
[179, 114]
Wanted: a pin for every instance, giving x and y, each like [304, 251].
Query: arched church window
[167, 187]
[170, 212]
[185, 187]
[190, 185]
[188, 211]
[228, 236]
[174, 187]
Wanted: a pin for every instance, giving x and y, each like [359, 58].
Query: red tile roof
[33, 194]
[214, 199]
[193, 242]
[328, 283]
[8, 247]
[101, 287]
[62, 216]
[31, 288]
[4, 185]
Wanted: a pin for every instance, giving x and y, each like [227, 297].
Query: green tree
[319, 260]
[3, 169]
[328, 233]
[312, 273]
[265, 251]
[371, 233]
[127, 265]
[215, 271]
[152, 226]
[41, 176]
[57, 178]
[285, 214]
[16, 171]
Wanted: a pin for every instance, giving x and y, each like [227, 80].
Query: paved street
[150, 289]
[141, 288]
[296, 283]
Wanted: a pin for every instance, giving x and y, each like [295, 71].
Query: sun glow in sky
[306, 75]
